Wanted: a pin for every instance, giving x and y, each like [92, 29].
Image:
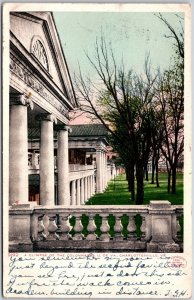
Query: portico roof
[85, 131]
[88, 130]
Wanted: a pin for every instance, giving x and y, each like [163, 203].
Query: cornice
[30, 80]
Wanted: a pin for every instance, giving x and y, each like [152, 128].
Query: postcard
[97, 150]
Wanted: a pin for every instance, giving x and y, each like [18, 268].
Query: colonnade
[82, 189]
[18, 156]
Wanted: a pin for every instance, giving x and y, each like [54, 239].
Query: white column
[85, 189]
[102, 175]
[99, 171]
[73, 196]
[82, 194]
[78, 198]
[105, 169]
[113, 171]
[89, 187]
[47, 161]
[93, 185]
[18, 153]
[63, 166]
[90, 182]
[103, 184]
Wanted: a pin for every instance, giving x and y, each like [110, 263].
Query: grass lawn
[117, 194]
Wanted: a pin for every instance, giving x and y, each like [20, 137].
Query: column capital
[22, 99]
[63, 127]
[46, 117]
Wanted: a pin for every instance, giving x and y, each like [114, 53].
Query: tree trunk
[169, 180]
[140, 185]
[156, 164]
[174, 179]
[146, 173]
[169, 170]
[132, 179]
[128, 177]
[153, 167]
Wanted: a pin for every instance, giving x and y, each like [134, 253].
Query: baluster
[118, 228]
[78, 227]
[65, 227]
[104, 228]
[52, 228]
[131, 228]
[91, 228]
[143, 228]
[41, 228]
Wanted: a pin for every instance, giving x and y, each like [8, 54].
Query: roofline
[64, 59]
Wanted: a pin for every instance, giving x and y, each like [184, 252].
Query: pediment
[37, 33]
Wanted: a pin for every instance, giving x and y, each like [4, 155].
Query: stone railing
[34, 161]
[34, 164]
[151, 228]
[78, 167]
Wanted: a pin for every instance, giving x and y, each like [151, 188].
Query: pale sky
[132, 35]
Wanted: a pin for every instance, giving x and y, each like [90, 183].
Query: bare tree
[177, 36]
[122, 102]
[170, 94]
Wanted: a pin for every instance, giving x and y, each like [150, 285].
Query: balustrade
[118, 228]
[34, 161]
[78, 167]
